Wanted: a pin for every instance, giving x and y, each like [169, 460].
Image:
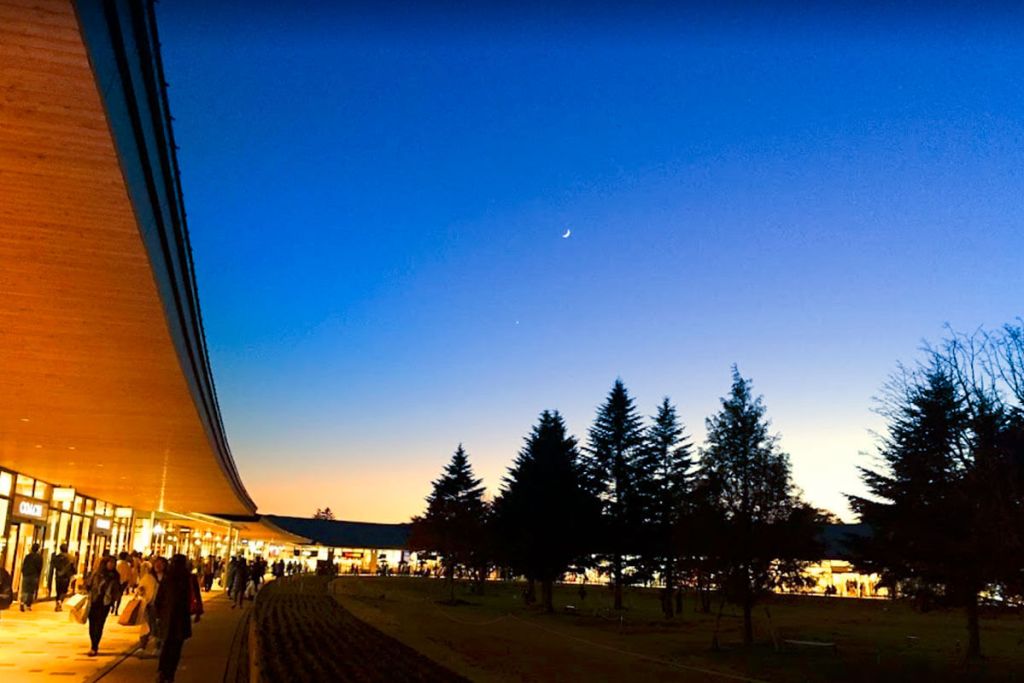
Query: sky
[377, 194]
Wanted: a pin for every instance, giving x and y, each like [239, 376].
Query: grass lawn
[495, 637]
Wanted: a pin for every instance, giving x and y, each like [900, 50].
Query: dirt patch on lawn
[305, 635]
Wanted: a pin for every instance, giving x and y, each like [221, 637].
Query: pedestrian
[146, 592]
[173, 619]
[62, 568]
[124, 579]
[6, 591]
[208, 570]
[240, 583]
[31, 570]
[229, 576]
[104, 589]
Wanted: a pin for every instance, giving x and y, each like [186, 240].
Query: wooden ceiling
[92, 393]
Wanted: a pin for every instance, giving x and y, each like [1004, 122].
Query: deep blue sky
[376, 200]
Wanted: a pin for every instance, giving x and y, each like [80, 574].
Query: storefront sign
[123, 513]
[101, 526]
[30, 509]
[352, 556]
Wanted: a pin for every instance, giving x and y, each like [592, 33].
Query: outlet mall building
[110, 433]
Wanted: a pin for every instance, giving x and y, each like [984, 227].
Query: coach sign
[30, 509]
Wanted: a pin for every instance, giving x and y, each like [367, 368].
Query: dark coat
[32, 566]
[171, 607]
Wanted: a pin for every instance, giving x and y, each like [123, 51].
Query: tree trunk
[748, 622]
[666, 594]
[481, 579]
[973, 629]
[679, 600]
[450, 574]
[530, 594]
[618, 580]
[546, 591]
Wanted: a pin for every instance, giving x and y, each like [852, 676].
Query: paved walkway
[43, 645]
[204, 657]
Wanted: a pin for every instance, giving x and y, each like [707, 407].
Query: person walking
[173, 618]
[104, 589]
[146, 592]
[124, 580]
[229, 576]
[62, 568]
[6, 590]
[31, 570]
[240, 583]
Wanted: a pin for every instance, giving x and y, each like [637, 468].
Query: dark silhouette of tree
[615, 442]
[765, 533]
[945, 505]
[325, 513]
[453, 523]
[545, 513]
[663, 487]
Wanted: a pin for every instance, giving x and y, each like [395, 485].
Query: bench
[817, 644]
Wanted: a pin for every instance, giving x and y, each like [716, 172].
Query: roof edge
[124, 50]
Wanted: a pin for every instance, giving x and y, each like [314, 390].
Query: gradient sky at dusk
[376, 200]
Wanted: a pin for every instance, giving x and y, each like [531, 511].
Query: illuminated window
[25, 485]
[42, 490]
[6, 480]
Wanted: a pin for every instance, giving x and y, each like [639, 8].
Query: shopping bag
[78, 608]
[131, 613]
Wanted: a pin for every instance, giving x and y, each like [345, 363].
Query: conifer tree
[764, 530]
[663, 485]
[615, 442]
[939, 504]
[545, 512]
[453, 522]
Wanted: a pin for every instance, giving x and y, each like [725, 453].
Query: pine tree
[616, 440]
[545, 513]
[325, 513]
[763, 527]
[453, 523]
[663, 484]
[938, 500]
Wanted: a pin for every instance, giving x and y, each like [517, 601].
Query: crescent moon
[568, 233]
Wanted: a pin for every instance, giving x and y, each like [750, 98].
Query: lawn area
[495, 637]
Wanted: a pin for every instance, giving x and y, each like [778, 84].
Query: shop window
[43, 490]
[25, 485]
[90, 506]
[78, 505]
[6, 481]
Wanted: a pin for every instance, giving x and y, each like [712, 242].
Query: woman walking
[104, 589]
[173, 618]
[146, 592]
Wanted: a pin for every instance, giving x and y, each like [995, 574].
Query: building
[355, 547]
[110, 432]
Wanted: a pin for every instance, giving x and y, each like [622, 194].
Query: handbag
[78, 608]
[131, 613]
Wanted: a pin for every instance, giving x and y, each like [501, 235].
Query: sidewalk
[204, 657]
[43, 645]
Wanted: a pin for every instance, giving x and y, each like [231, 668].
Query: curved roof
[340, 534]
[105, 383]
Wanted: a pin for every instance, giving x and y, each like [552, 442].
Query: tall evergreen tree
[615, 442]
[765, 530]
[941, 505]
[545, 512]
[663, 484]
[453, 522]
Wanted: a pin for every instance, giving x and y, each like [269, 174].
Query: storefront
[34, 511]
